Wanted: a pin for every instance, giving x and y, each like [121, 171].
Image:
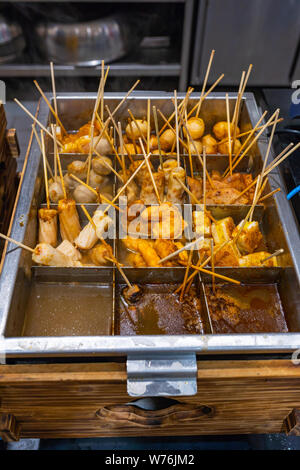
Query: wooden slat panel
[62, 400]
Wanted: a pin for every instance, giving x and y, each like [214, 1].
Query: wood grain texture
[291, 423]
[9, 428]
[63, 400]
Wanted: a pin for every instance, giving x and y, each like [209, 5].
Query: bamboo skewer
[21, 245]
[255, 198]
[251, 130]
[276, 253]
[186, 273]
[116, 262]
[194, 197]
[189, 149]
[150, 173]
[61, 176]
[171, 128]
[204, 178]
[236, 113]
[128, 181]
[98, 194]
[115, 110]
[212, 264]
[256, 127]
[207, 93]
[253, 142]
[181, 105]
[34, 119]
[157, 136]
[108, 137]
[229, 134]
[177, 130]
[40, 145]
[197, 152]
[138, 126]
[53, 127]
[122, 151]
[270, 142]
[220, 276]
[90, 154]
[45, 170]
[205, 82]
[277, 159]
[133, 141]
[58, 121]
[184, 248]
[269, 195]
[53, 89]
[148, 126]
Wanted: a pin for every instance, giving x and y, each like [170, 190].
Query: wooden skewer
[186, 273]
[53, 89]
[171, 128]
[251, 130]
[61, 176]
[184, 248]
[195, 199]
[133, 140]
[212, 264]
[45, 170]
[138, 126]
[177, 130]
[207, 93]
[189, 149]
[51, 108]
[270, 142]
[53, 127]
[157, 136]
[255, 198]
[128, 181]
[148, 126]
[245, 142]
[180, 106]
[35, 119]
[150, 172]
[93, 224]
[277, 159]
[25, 247]
[269, 195]
[197, 152]
[205, 82]
[120, 270]
[115, 110]
[201, 265]
[236, 113]
[276, 253]
[99, 195]
[229, 134]
[40, 145]
[122, 151]
[90, 154]
[214, 274]
[204, 178]
[110, 140]
[253, 142]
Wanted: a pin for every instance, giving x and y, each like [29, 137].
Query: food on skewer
[223, 147]
[68, 249]
[249, 238]
[92, 232]
[175, 192]
[82, 194]
[101, 165]
[220, 129]
[99, 254]
[191, 147]
[55, 190]
[210, 143]
[257, 259]
[132, 294]
[202, 224]
[46, 255]
[48, 226]
[167, 140]
[196, 128]
[222, 231]
[136, 129]
[68, 220]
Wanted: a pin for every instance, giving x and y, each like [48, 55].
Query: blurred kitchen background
[165, 43]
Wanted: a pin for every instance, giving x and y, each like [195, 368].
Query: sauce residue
[246, 309]
[160, 312]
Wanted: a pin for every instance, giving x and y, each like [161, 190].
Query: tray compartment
[159, 312]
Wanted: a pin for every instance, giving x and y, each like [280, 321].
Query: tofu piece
[229, 255]
[202, 224]
[254, 259]
[68, 249]
[250, 237]
[222, 230]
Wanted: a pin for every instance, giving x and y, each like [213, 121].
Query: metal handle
[133, 416]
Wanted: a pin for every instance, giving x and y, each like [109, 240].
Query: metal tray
[161, 364]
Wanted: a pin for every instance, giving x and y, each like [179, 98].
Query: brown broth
[160, 312]
[73, 309]
[246, 309]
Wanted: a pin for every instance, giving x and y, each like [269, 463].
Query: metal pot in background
[84, 44]
[12, 42]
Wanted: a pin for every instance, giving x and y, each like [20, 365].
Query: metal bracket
[162, 375]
